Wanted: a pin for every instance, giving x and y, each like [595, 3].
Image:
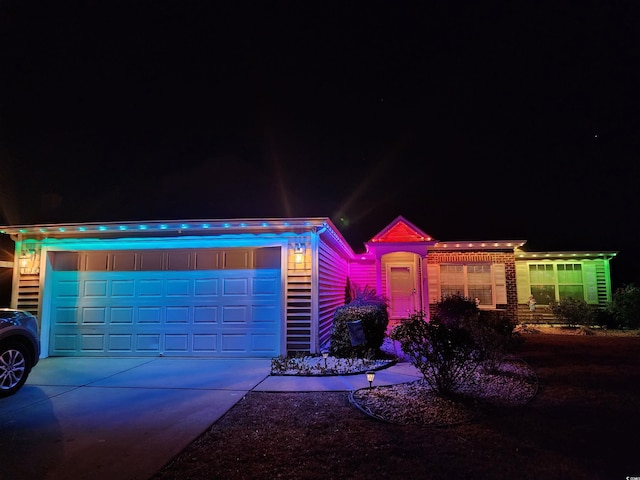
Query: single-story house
[262, 287]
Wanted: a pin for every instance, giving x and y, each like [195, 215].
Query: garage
[209, 302]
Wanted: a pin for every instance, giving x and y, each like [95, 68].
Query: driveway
[116, 418]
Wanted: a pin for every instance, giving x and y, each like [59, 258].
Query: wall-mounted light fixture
[28, 261]
[298, 253]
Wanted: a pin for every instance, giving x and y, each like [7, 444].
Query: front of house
[262, 287]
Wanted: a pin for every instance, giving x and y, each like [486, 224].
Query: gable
[401, 231]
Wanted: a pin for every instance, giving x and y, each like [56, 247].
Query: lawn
[582, 424]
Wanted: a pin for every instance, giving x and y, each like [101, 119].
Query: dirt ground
[582, 424]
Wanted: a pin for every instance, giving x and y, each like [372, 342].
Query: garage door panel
[149, 288]
[205, 343]
[235, 314]
[235, 286]
[206, 287]
[265, 286]
[205, 314]
[122, 288]
[121, 315]
[95, 288]
[262, 314]
[179, 288]
[181, 313]
[263, 342]
[94, 315]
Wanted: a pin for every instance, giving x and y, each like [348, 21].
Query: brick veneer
[470, 256]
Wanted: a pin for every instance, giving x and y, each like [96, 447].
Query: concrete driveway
[117, 418]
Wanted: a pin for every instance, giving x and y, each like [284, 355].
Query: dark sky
[474, 120]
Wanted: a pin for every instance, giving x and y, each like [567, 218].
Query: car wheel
[14, 368]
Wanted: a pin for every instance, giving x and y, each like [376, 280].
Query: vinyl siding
[332, 280]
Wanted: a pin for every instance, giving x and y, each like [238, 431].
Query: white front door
[402, 290]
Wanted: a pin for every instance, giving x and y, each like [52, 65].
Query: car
[19, 349]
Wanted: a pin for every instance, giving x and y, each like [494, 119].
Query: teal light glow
[102, 228]
[122, 227]
[163, 227]
[243, 224]
[22, 230]
[82, 229]
[265, 224]
[205, 225]
[184, 225]
[62, 229]
[142, 227]
[42, 230]
[226, 225]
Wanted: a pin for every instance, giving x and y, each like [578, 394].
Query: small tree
[444, 353]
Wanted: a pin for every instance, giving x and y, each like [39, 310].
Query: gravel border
[513, 384]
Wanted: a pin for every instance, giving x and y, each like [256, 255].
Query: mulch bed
[582, 424]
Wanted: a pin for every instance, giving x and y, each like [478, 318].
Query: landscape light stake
[325, 355]
[370, 376]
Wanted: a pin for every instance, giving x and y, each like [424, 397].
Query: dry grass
[582, 424]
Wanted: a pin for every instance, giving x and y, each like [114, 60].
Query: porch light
[298, 253]
[370, 376]
[27, 261]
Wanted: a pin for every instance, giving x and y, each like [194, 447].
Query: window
[543, 286]
[472, 281]
[570, 281]
[555, 282]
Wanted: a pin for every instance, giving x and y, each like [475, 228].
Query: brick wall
[468, 256]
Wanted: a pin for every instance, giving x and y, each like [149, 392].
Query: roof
[401, 231]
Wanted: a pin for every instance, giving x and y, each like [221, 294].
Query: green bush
[575, 312]
[625, 307]
[444, 352]
[374, 320]
[456, 310]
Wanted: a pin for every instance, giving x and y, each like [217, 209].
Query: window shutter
[500, 279]
[522, 282]
[433, 280]
[590, 282]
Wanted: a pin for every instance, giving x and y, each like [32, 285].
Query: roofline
[521, 255]
[477, 244]
[167, 226]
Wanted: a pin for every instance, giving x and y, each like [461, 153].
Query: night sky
[475, 121]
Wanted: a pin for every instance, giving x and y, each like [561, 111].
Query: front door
[402, 290]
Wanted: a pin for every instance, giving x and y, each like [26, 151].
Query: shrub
[495, 337]
[456, 310]
[371, 311]
[445, 353]
[625, 307]
[575, 311]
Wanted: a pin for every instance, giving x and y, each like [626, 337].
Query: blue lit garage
[203, 302]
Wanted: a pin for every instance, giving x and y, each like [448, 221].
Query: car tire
[15, 365]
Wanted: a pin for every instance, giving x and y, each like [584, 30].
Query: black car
[19, 349]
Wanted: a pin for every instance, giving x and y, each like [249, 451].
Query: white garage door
[172, 303]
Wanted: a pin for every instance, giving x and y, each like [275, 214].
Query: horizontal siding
[29, 293]
[604, 292]
[298, 295]
[362, 275]
[332, 280]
